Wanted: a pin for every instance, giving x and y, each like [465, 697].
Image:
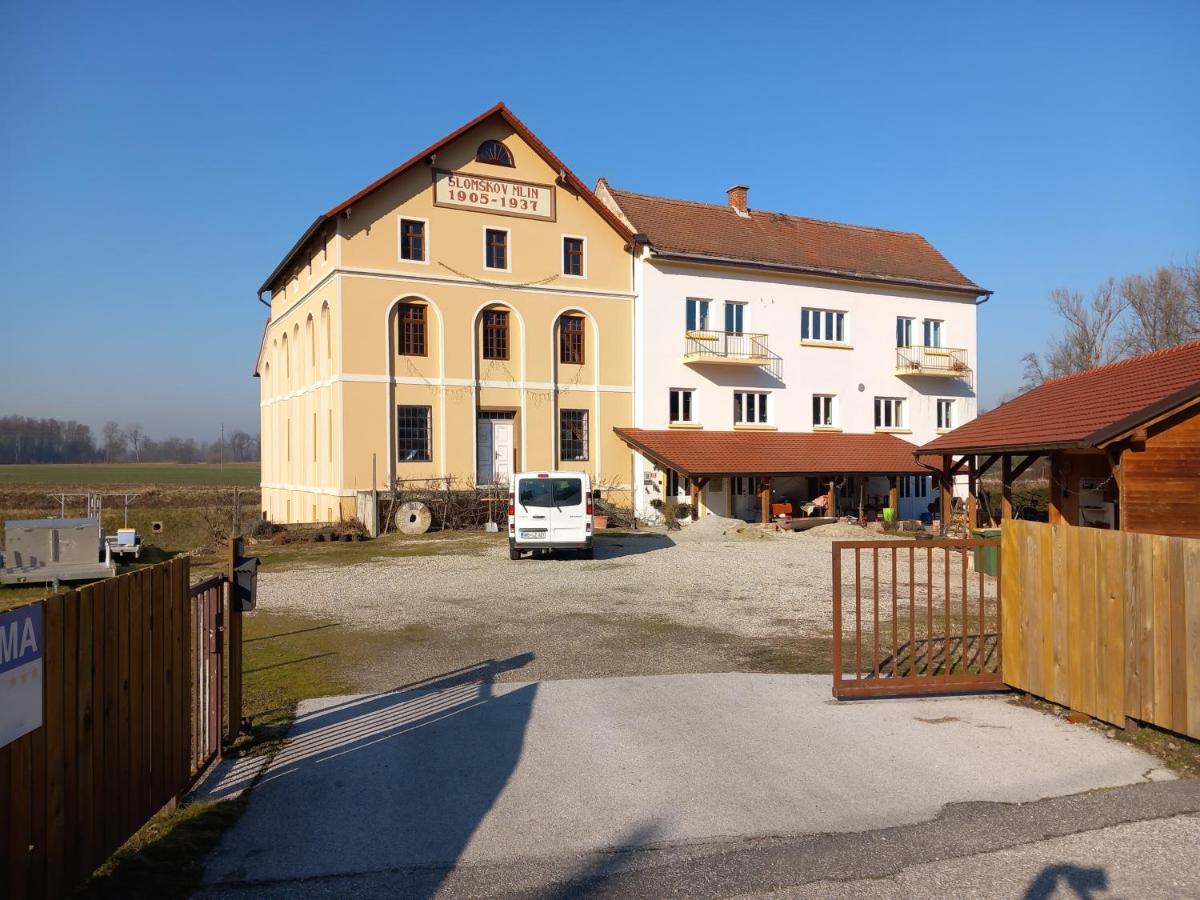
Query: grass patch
[277, 557]
[70, 475]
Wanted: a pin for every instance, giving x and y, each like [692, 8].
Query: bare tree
[1089, 339]
[114, 441]
[136, 435]
[1164, 309]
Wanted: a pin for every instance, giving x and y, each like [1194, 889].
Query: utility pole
[222, 446]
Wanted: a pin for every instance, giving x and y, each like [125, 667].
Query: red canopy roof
[1083, 410]
[701, 453]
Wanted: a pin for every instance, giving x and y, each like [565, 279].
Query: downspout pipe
[266, 303]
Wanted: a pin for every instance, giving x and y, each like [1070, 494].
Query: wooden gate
[131, 716]
[915, 617]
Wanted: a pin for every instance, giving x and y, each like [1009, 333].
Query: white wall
[775, 304]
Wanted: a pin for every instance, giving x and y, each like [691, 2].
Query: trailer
[52, 550]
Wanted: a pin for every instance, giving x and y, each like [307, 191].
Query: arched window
[312, 342]
[267, 386]
[495, 153]
[287, 361]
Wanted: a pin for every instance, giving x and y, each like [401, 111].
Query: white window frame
[928, 328]
[508, 245]
[562, 247]
[762, 406]
[945, 422]
[707, 304]
[814, 319]
[400, 241]
[907, 328]
[691, 392]
[727, 312]
[832, 409]
[899, 414]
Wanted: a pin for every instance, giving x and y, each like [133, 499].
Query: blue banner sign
[21, 676]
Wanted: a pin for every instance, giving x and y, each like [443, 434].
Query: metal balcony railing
[944, 362]
[741, 348]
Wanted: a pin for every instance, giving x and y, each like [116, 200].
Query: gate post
[837, 618]
[233, 643]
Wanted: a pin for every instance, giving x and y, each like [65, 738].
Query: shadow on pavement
[1081, 882]
[383, 781]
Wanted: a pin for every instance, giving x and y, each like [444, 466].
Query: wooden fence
[1103, 622]
[121, 735]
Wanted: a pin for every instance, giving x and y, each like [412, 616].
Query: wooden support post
[233, 644]
[1056, 492]
[831, 503]
[894, 496]
[696, 485]
[947, 482]
[764, 499]
[972, 492]
[1006, 480]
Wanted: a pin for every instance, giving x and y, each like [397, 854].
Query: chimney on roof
[738, 195]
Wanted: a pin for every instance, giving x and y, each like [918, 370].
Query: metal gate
[915, 617]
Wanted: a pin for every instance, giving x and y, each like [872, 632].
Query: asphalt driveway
[466, 771]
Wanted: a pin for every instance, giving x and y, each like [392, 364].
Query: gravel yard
[716, 596]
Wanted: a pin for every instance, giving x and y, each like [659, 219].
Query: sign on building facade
[20, 672]
[496, 195]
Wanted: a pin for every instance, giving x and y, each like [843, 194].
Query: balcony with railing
[738, 348]
[942, 362]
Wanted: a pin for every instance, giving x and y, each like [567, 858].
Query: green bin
[987, 559]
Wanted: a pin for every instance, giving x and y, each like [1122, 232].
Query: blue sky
[157, 161]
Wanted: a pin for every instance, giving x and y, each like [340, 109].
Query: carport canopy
[701, 455]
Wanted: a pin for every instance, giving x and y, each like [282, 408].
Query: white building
[763, 325]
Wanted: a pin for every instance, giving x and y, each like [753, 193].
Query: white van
[550, 511]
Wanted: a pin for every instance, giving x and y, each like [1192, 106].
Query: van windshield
[544, 492]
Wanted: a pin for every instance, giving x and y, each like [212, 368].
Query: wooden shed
[1123, 441]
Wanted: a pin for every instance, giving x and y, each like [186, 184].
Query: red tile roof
[570, 178]
[1085, 409]
[775, 452]
[714, 231]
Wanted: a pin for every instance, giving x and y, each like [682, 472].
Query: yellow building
[468, 315]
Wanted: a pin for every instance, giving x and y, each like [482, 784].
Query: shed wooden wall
[1160, 490]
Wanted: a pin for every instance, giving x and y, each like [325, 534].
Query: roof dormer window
[495, 153]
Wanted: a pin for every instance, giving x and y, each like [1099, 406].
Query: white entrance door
[494, 451]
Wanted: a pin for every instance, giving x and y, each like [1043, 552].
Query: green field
[200, 474]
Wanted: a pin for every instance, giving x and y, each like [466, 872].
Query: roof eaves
[1117, 430]
[969, 288]
[287, 257]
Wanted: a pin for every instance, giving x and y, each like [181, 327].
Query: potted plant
[599, 521]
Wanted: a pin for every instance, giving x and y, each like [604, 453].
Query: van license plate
[537, 533]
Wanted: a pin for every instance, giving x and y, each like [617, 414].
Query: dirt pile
[846, 531]
[719, 528]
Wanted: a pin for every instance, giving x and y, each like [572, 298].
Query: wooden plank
[183, 624]
[5, 803]
[159, 626]
[147, 718]
[1160, 639]
[1176, 639]
[70, 720]
[1132, 627]
[1055, 616]
[1111, 612]
[82, 826]
[1145, 624]
[1191, 606]
[1012, 660]
[1070, 592]
[124, 772]
[1084, 570]
[110, 811]
[170, 707]
[19, 813]
[57, 710]
[37, 808]
[135, 710]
